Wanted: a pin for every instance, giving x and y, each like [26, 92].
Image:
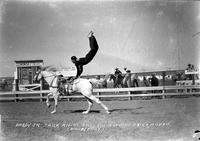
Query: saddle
[65, 85]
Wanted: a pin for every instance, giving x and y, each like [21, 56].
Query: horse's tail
[92, 81]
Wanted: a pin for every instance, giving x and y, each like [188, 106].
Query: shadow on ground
[79, 111]
[125, 110]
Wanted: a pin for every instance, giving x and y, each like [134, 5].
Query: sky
[139, 35]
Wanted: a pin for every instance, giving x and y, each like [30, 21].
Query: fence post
[14, 89]
[98, 93]
[129, 93]
[163, 92]
[163, 77]
[17, 89]
[16, 95]
[41, 88]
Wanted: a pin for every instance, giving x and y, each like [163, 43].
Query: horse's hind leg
[100, 103]
[47, 100]
[56, 103]
[90, 103]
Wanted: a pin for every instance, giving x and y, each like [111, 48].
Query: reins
[51, 84]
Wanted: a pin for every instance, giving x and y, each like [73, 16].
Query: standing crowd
[151, 81]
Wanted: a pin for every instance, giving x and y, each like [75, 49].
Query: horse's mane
[49, 68]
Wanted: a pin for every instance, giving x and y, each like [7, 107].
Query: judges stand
[24, 75]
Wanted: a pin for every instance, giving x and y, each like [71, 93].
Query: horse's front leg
[47, 100]
[55, 102]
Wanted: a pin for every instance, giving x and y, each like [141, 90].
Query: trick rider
[79, 63]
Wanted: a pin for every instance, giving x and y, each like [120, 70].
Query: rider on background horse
[117, 72]
[118, 77]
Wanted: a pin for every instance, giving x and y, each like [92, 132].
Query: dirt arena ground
[139, 120]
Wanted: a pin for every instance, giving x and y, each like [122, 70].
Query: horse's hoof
[85, 112]
[53, 112]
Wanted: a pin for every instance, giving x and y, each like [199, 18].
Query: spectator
[193, 76]
[127, 71]
[135, 81]
[98, 78]
[154, 80]
[145, 82]
[192, 68]
[179, 76]
[127, 78]
[189, 67]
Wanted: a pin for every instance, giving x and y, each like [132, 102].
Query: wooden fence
[162, 91]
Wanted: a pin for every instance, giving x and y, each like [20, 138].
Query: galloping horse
[78, 85]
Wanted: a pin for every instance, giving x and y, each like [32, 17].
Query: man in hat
[117, 72]
[119, 77]
[79, 63]
[189, 69]
[154, 82]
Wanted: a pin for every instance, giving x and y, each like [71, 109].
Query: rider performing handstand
[79, 63]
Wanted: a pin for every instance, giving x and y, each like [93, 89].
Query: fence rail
[121, 92]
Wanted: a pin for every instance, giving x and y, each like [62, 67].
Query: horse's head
[48, 73]
[38, 76]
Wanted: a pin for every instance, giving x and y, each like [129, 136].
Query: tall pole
[178, 42]
[178, 49]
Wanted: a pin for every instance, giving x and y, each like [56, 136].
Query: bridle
[51, 84]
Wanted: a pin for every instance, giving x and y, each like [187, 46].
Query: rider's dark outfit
[117, 72]
[79, 63]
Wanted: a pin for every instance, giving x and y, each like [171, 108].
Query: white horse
[78, 85]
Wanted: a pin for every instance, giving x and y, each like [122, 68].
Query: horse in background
[99, 82]
[117, 80]
[125, 81]
[78, 85]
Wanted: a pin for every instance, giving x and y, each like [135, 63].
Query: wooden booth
[25, 72]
